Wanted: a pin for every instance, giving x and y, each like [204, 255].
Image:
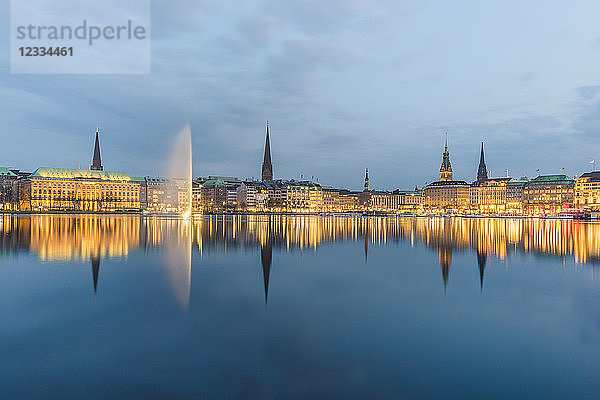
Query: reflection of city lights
[84, 237]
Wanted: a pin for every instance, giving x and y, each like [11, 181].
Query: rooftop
[68, 173]
[551, 180]
[592, 176]
[448, 183]
[6, 172]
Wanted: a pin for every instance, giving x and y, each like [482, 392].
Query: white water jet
[180, 169]
[178, 240]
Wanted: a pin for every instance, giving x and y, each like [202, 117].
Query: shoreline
[319, 214]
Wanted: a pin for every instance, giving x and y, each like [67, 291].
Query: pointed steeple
[267, 167]
[366, 188]
[482, 170]
[446, 168]
[96, 161]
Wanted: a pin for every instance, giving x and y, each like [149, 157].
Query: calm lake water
[298, 307]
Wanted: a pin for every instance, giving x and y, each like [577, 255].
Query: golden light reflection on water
[80, 237]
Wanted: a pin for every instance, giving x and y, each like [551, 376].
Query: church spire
[267, 167]
[446, 168]
[366, 189]
[96, 161]
[482, 170]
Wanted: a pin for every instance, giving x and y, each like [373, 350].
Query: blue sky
[345, 84]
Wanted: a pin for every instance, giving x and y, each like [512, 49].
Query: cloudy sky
[345, 84]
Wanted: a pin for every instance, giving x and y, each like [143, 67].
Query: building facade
[587, 192]
[62, 189]
[548, 194]
[488, 196]
[446, 194]
[8, 189]
[514, 196]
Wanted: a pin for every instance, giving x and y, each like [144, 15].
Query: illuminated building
[378, 200]
[62, 189]
[514, 196]
[93, 190]
[348, 200]
[303, 196]
[410, 201]
[587, 191]
[213, 195]
[446, 194]
[489, 195]
[252, 195]
[331, 199]
[267, 166]
[384, 201]
[164, 195]
[548, 194]
[7, 189]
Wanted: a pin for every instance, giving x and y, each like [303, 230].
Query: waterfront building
[303, 196]
[348, 200]
[384, 201]
[267, 166]
[8, 188]
[252, 195]
[366, 186]
[587, 191]
[514, 195]
[161, 195]
[410, 201]
[331, 199]
[213, 195]
[63, 189]
[548, 194]
[197, 194]
[488, 196]
[446, 194]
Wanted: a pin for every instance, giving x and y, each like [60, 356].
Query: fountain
[180, 169]
[178, 242]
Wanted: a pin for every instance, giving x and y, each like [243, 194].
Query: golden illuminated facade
[549, 194]
[488, 196]
[446, 196]
[61, 189]
[587, 191]
[303, 196]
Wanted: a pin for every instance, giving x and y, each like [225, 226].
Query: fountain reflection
[52, 238]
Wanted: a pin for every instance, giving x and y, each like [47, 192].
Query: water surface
[298, 307]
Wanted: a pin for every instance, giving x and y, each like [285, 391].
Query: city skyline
[95, 163]
[332, 91]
